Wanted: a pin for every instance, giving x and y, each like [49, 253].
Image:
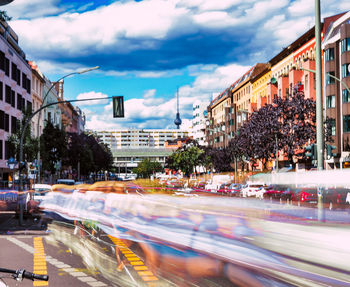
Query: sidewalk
[9, 225]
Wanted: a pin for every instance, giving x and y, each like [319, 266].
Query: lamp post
[11, 163]
[319, 106]
[43, 102]
[20, 187]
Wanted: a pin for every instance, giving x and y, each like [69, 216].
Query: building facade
[200, 116]
[15, 90]
[38, 83]
[131, 146]
[336, 83]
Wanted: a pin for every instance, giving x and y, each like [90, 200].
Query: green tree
[53, 146]
[147, 167]
[79, 152]
[186, 158]
[102, 155]
[30, 144]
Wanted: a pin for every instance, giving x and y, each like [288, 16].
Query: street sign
[118, 107]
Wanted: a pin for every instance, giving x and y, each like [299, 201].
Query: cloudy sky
[147, 50]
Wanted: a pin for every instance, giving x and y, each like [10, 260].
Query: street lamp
[43, 102]
[11, 163]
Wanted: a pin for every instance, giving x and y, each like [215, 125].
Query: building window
[346, 96]
[329, 54]
[2, 120]
[345, 45]
[346, 123]
[7, 122]
[332, 126]
[7, 149]
[1, 91]
[13, 125]
[329, 78]
[7, 67]
[8, 94]
[345, 70]
[1, 153]
[330, 102]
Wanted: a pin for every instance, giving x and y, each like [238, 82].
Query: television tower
[177, 120]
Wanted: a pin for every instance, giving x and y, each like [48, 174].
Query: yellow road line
[39, 261]
[135, 261]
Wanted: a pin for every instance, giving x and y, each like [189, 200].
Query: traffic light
[118, 107]
[330, 149]
[311, 151]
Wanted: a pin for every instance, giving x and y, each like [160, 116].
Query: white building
[131, 146]
[15, 91]
[198, 122]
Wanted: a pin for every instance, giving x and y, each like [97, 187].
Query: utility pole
[319, 99]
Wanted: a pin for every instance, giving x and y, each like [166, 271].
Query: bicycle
[19, 275]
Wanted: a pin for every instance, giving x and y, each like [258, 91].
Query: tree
[80, 153]
[53, 146]
[147, 167]
[220, 159]
[30, 144]
[102, 155]
[290, 121]
[257, 136]
[185, 158]
[297, 116]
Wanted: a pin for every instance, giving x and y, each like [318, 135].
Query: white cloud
[150, 111]
[301, 8]
[32, 8]
[92, 95]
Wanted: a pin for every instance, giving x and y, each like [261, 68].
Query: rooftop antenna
[177, 120]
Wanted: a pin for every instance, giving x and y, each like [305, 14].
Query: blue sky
[148, 49]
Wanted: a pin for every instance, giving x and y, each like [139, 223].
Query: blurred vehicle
[235, 189]
[253, 189]
[336, 197]
[305, 196]
[174, 183]
[216, 182]
[66, 181]
[39, 191]
[277, 191]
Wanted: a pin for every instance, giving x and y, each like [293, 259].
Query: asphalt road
[27, 247]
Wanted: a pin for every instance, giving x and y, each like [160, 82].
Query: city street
[21, 248]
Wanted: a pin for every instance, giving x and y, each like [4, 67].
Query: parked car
[235, 189]
[336, 197]
[252, 189]
[305, 196]
[277, 192]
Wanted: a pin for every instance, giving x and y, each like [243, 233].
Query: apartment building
[131, 146]
[200, 116]
[51, 113]
[228, 111]
[336, 83]
[38, 83]
[15, 90]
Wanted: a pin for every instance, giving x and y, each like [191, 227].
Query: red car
[305, 196]
[335, 198]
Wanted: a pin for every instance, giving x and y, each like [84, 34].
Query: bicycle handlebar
[21, 273]
[33, 276]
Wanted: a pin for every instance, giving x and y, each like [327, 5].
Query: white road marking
[61, 265]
